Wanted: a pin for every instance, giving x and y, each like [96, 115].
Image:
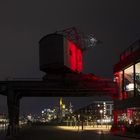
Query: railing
[130, 50]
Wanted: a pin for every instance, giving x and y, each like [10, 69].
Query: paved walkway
[2, 132]
[57, 133]
[129, 135]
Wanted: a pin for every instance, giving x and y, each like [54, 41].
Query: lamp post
[101, 112]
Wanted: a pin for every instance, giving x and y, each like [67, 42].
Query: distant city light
[63, 106]
[101, 111]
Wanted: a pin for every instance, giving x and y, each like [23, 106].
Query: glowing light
[125, 95]
[79, 60]
[115, 116]
[101, 111]
[130, 87]
[76, 128]
[75, 57]
[63, 106]
[129, 113]
[60, 102]
[72, 55]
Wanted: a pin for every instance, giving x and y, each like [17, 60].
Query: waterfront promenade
[65, 133]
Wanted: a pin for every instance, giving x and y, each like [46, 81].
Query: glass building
[127, 77]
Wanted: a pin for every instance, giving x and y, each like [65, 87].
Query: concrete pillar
[13, 102]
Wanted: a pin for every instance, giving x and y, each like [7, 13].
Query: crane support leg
[13, 102]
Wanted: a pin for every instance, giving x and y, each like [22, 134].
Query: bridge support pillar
[13, 102]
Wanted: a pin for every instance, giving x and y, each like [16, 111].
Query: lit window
[137, 78]
[129, 82]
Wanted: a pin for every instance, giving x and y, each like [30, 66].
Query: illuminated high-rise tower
[62, 105]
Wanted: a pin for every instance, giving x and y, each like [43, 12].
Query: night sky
[23, 23]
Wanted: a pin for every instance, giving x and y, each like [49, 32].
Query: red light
[121, 95]
[75, 57]
[125, 95]
[117, 77]
[115, 116]
[123, 130]
[79, 60]
[129, 113]
[72, 55]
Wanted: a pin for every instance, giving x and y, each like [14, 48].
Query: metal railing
[130, 50]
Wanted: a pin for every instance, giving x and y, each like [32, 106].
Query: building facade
[127, 77]
[100, 112]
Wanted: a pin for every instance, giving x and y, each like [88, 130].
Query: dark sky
[22, 23]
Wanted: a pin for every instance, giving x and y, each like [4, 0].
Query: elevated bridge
[69, 85]
[75, 85]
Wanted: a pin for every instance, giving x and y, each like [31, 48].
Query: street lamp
[101, 112]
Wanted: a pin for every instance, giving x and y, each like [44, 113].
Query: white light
[98, 120]
[29, 117]
[101, 111]
[130, 87]
[106, 120]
